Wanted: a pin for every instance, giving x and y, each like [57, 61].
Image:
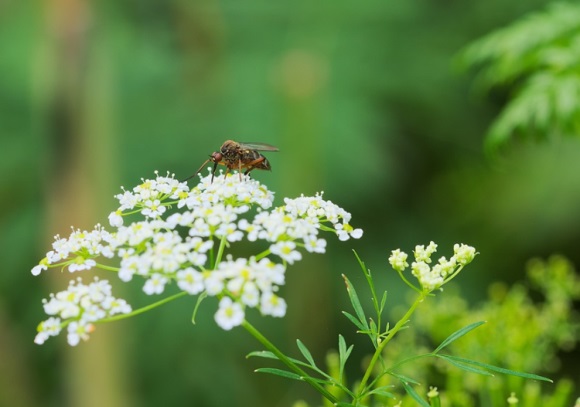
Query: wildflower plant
[165, 234]
[377, 387]
[535, 320]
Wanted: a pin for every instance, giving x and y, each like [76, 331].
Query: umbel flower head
[433, 277]
[169, 235]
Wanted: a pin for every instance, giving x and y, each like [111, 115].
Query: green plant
[536, 61]
[385, 371]
[522, 334]
[186, 236]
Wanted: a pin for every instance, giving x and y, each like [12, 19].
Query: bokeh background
[365, 103]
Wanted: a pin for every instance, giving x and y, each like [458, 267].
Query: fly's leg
[251, 165]
[215, 164]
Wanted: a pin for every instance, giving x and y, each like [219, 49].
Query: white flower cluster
[250, 283]
[77, 251]
[432, 278]
[78, 308]
[181, 236]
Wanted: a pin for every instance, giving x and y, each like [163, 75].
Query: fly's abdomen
[253, 159]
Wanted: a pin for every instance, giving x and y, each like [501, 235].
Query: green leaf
[371, 283]
[305, 352]
[279, 372]
[497, 369]
[380, 391]
[411, 392]
[374, 330]
[200, 298]
[343, 354]
[464, 366]
[342, 349]
[262, 354]
[536, 60]
[366, 272]
[270, 355]
[355, 321]
[403, 378]
[358, 309]
[383, 302]
[458, 334]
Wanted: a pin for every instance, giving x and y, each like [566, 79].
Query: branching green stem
[108, 268]
[455, 273]
[391, 333]
[291, 365]
[408, 282]
[262, 255]
[144, 309]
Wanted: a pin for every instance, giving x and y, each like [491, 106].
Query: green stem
[133, 212]
[408, 282]
[144, 309]
[108, 268]
[455, 273]
[211, 257]
[391, 334]
[284, 359]
[262, 255]
[326, 228]
[220, 253]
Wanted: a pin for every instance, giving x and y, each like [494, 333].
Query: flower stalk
[362, 389]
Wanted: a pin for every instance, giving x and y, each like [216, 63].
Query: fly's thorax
[229, 146]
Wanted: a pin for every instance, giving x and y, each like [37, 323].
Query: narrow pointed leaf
[341, 348]
[373, 327]
[404, 379]
[262, 354]
[411, 392]
[355, 321]
[383, 301]
[305, 352]
[358, 309]
[270, 355]
[464, 366]
[498, 369]
[342, 356]
[368, 275]
[381, 391]
[279, 372]
[458, 334]
[383, 394]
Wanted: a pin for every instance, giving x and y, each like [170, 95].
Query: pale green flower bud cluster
[433, 277]
[180, 236]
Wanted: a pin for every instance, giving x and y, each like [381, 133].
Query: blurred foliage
[535, 61]
[532, 327]
[362, 102]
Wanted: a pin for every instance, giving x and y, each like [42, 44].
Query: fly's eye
[216, 157]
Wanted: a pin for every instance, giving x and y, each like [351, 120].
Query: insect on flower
[238, 156]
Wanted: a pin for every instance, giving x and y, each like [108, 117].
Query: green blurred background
[364, 102]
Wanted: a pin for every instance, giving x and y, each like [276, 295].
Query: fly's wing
[257, 146]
